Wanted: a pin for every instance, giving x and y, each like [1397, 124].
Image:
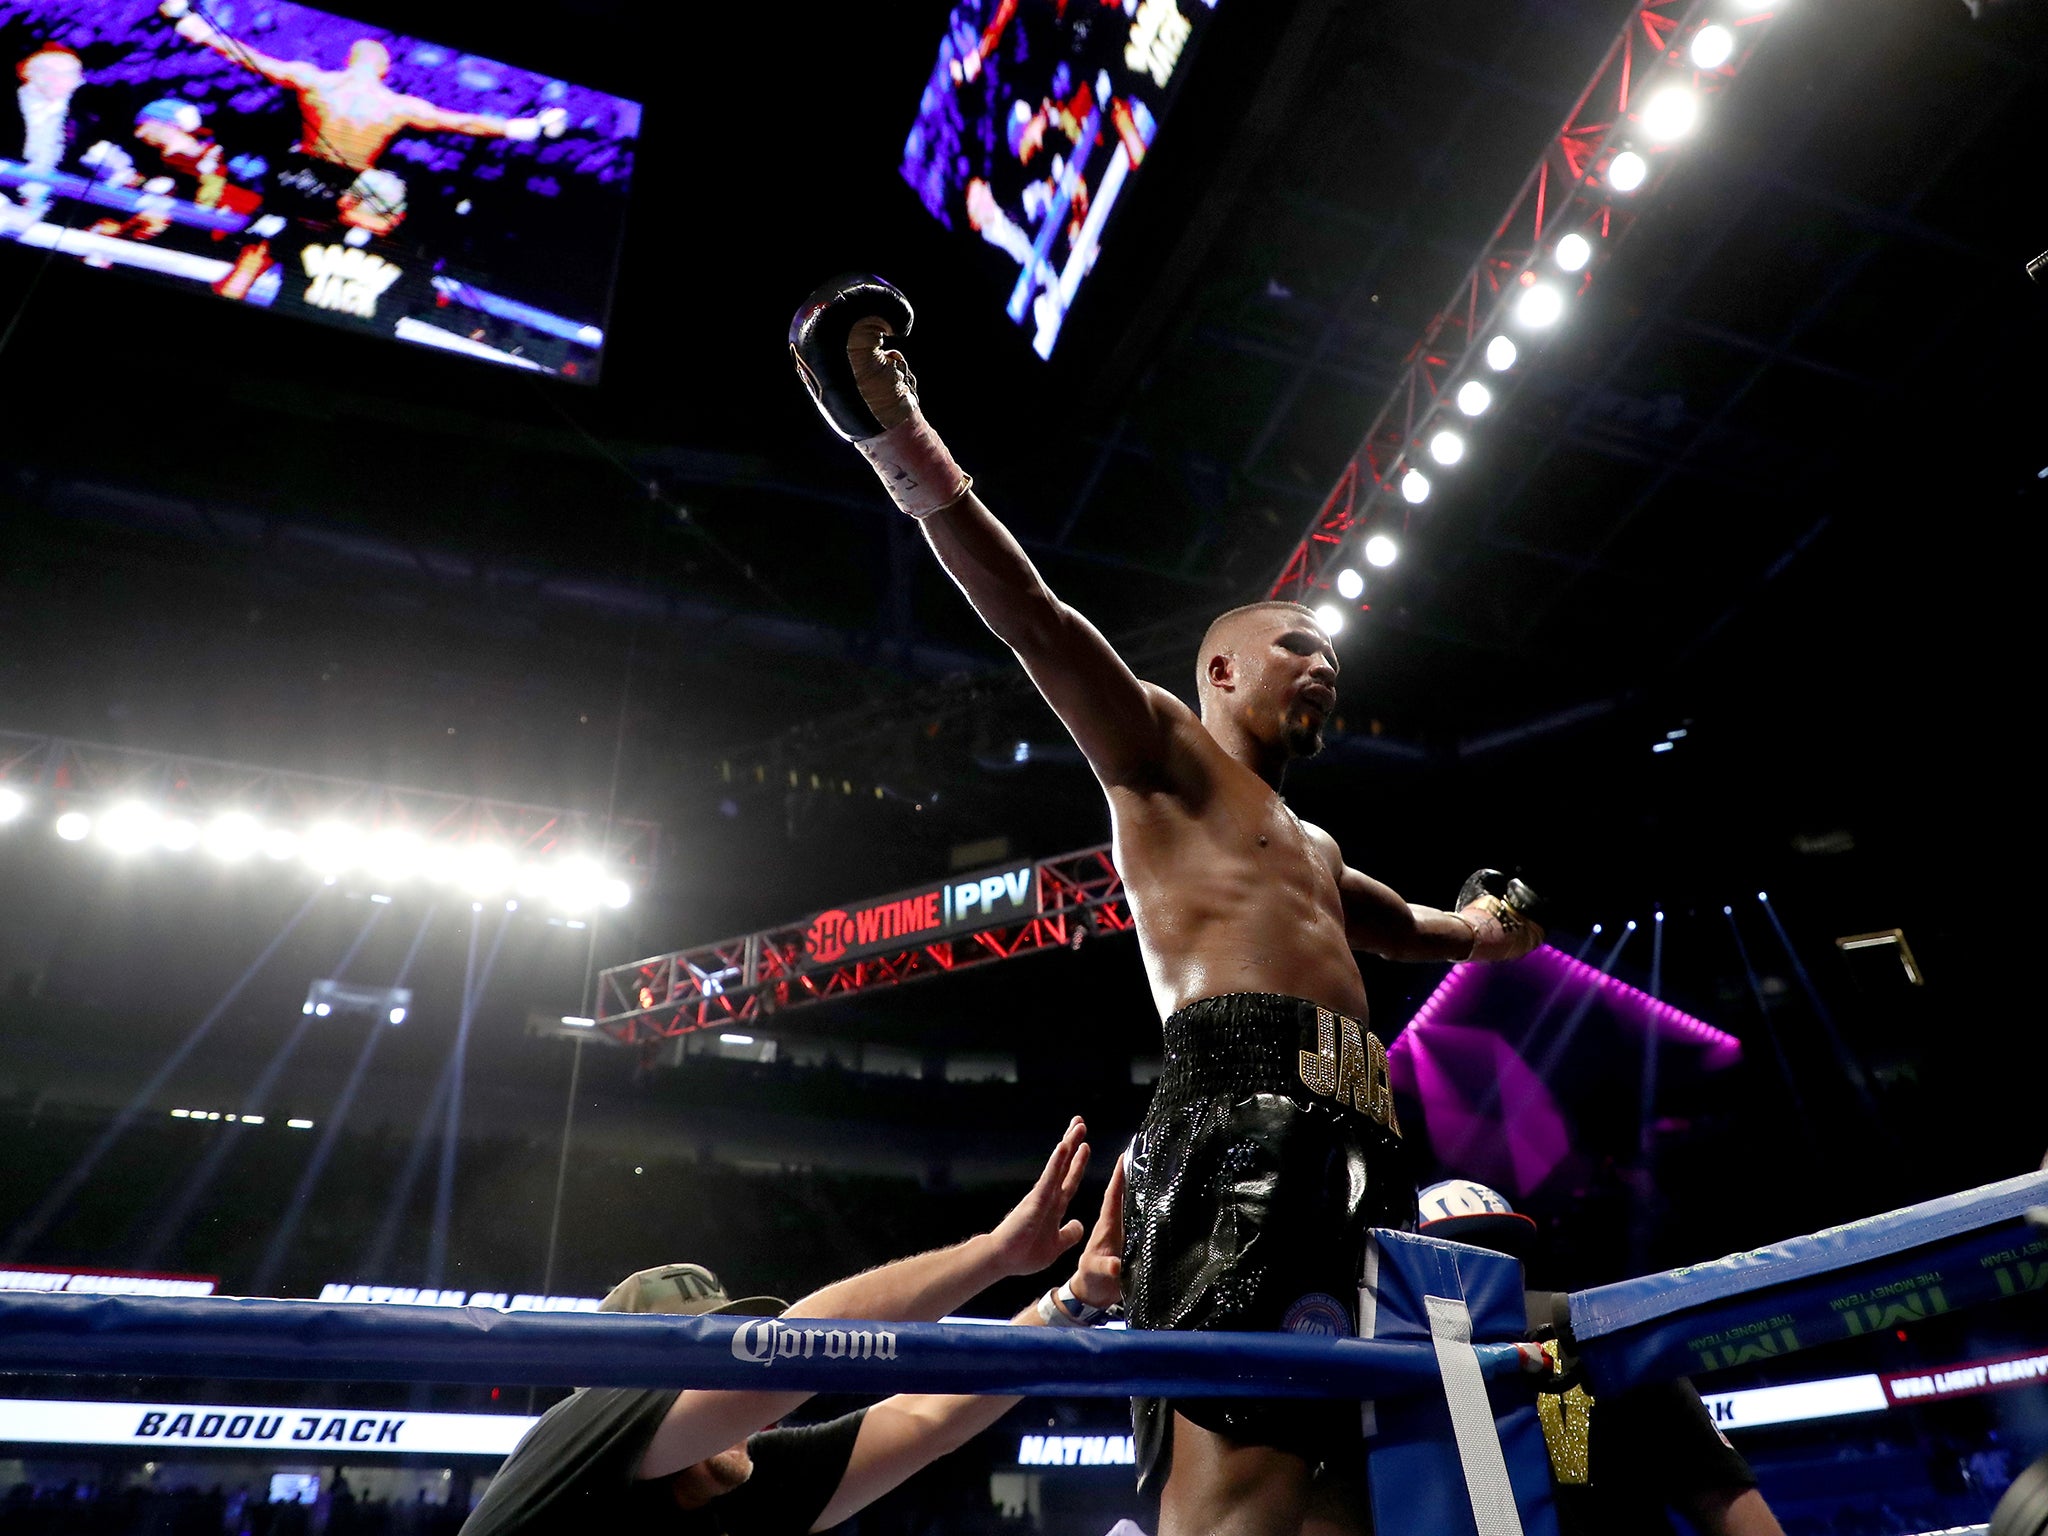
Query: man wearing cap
[610, 1458]
[1621, 1463]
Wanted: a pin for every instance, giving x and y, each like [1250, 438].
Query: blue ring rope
[239, 1338]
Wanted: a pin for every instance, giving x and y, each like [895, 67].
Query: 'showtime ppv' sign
[930, 912]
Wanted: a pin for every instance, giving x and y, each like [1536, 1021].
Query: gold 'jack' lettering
[1349, 1066]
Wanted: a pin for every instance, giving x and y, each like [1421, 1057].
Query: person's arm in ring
[701, 1423]
[904, 1434]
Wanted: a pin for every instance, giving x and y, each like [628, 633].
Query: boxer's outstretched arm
[1378, 922]
[1120, 723]
[197, 29]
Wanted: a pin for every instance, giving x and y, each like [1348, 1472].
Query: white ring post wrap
[1479, 1452]
[915, 468]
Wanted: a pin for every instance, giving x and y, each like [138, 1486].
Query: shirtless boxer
[349, 115]
[1270, 1146]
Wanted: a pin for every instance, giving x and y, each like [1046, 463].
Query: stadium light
[129, 827]
[300, 1125]
[395, 855]
[574, 1022]
[735, 1039]
[397, 1015]
[1350, 585]
[1447, 447]
[232, 836]
[1573, 252]
[616, 893]
[487, 870]
[74, 826]
[332, 846]
[1539, 306]
[1712, 46]
[1671, 114]
[1331, 617]
[1381, 550]
[1625, 172]
[1415, 487]
[12, 803]
[576, 885]
[1474, 397]
[1500, 357]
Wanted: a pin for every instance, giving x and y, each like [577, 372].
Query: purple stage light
[1549, 966]
[1486, 1111]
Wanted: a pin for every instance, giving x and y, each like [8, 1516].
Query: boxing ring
[1441, 1363]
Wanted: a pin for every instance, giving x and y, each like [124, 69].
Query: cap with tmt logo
[690, 1290]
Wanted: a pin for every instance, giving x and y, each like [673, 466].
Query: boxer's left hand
[1505, 915]
[527, 129]
[1037, 1231]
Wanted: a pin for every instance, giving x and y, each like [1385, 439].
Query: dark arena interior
[474, 825]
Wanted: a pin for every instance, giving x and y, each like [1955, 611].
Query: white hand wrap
[1061, 1308]
[915, 467]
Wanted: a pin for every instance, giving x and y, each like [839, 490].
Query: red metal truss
[741, 980]
[1566, 191]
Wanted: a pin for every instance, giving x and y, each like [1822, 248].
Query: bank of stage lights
[1668, 114]
[388, 859]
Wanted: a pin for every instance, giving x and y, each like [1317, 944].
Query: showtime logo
[766, 1340]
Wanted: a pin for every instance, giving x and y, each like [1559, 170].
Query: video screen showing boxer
[289, 158]
[1036, 116]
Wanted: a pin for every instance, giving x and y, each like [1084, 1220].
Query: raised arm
[867, 394]
[434, 119]
[921, 1289]
[904, 1434]
[195, 28]
[1496, 918]
[1119, 722]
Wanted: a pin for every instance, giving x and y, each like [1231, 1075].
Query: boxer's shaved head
[368, 55]
[1226, 631]
[1255, 664]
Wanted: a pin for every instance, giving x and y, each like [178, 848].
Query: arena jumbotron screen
[1035, 119]
[288, 158]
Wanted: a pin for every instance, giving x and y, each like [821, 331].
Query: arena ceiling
[1731, 494]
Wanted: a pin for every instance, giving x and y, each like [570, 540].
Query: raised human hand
[1037, 1230]
[1099, 1277]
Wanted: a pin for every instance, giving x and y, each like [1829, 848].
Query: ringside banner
[229, 1426]
[105, 1282]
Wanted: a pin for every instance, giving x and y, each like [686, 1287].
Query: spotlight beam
[1852, 1065]
[59, 1197]
[1553, 1051]
[330, 1132]
[1756, 995]
[444, 1189]
[377, 1258]
[225, 1141]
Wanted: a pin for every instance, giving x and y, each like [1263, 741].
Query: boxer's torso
[1230, 892]
[349, 120]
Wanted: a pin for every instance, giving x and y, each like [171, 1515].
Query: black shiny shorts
[1269, 1152]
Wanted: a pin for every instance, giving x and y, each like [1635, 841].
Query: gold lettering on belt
[1349, 1066]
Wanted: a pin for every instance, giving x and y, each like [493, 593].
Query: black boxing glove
[1506, 916]
[867, 394]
